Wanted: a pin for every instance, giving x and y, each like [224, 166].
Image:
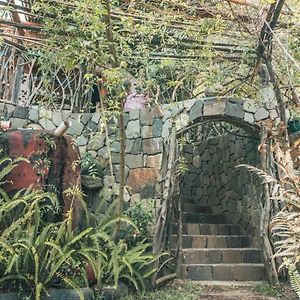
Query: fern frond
[266, 178]
[294, 278]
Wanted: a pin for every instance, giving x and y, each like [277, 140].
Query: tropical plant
[132, 265]
[90, 166]
[128, 261]
[284, 226]
[142, 215]
[37, 254]
[285, 229]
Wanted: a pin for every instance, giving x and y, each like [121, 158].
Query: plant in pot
[91, 172]
[294, 123]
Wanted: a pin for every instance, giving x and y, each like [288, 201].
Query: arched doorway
[219, 216]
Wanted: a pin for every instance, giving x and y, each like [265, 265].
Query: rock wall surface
[147, 132]
[212, 179]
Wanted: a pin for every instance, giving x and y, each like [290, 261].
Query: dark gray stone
[129, 145]
[21, 112]
[234, 110]
[91, 127]
[203, 272]
[85, 117]
[196, 110]
[157, 127]
[134, 161]
[137, 146]
[133, 129]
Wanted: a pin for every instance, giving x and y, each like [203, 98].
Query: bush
[142, 216]
[37, 254]
[90, 166]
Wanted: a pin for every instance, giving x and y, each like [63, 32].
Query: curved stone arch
[244, 113]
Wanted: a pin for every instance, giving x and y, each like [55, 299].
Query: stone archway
[242, 112]
[220, 238]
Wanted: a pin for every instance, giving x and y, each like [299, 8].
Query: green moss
[173, 291]
[267, 290]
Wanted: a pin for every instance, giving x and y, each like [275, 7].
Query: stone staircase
[215, 250]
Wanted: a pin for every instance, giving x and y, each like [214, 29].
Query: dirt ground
[193, 290]
[251, 292]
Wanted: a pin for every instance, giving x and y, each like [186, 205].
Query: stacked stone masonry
[147, 132]
[213, 180]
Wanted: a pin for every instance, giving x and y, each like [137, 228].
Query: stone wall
[147, 132]
[212, 179]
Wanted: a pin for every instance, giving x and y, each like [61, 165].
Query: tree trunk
[115, 64]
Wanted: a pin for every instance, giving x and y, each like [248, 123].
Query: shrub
[142, 216]
[37, 254]
[90, 166]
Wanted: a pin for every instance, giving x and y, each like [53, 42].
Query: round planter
[54, 294]
[294, 126]
[91, 182]
[68, 294]
[109, 293]
[10, 296]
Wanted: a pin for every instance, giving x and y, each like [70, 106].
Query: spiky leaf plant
[36, 254]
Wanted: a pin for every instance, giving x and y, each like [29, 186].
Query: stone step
[211, 241]
[218, 256]
[188, 217]
[238, 272]
[193, 208]
[187, 200]
[233, 295]
[210, 229]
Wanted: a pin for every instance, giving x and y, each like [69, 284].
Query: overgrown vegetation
[285, 229]
[142, 215]
[267, 290]
[90, 166]
[37, 254]
[174, 291]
